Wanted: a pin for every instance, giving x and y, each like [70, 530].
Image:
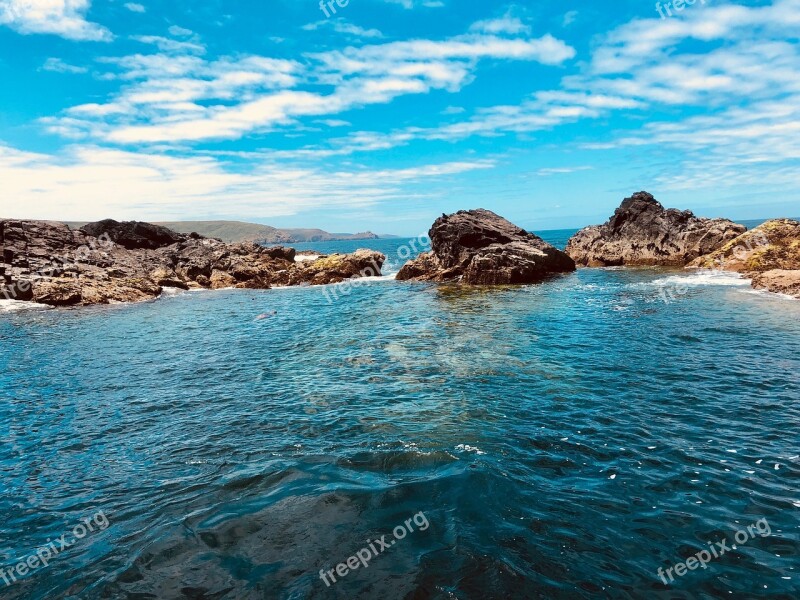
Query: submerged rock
[643, 233]
[479, 247]
[49, 263]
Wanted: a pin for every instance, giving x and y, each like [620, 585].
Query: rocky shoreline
[644, 233]
[109, 262]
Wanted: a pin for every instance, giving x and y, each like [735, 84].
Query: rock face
[643, 233]
[135, 234]
[49, 263]
[772, 245]
[779, 281]
[769, 254]
[478, 247]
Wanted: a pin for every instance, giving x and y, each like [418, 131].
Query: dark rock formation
[642, 232]
[769, 254]
[134, 234]
[479, 247]
[50, 263]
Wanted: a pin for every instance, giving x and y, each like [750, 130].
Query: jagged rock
[134, 234]
[643, 233]
[768, 254]
[478, 247]
[287, 254]
[221, 280]
[772, 245]
[49, 263]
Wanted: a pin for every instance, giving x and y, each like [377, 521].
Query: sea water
[562, 440]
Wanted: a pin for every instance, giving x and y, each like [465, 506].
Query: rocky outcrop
[643, 233]
[478, 247]
[49, 263]
[772, 245]
[135, 234]
[779, 281]
[768, 254]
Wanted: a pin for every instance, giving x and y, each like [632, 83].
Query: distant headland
[236, 232]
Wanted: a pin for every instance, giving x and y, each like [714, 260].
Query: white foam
[9, 306]
[768, 294]
[704, 278]
[468, 448]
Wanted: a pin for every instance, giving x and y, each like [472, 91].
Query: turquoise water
[564, 440]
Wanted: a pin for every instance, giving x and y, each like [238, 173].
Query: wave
[9, 306]
[704, 278]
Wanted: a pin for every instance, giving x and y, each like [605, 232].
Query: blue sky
[391, 112]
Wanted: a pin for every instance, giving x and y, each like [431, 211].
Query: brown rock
[643, 233]
[221, 280]
[779, 281]
[478, 247]
[49, 263]
[772, 245]
[769, 254]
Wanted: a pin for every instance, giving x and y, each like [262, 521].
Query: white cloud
[180, 31]
[148, 186]
[561, 170]
[342, 26]
[134, 7]
[168, 99]
[59, 66]
[65, 18]
[507, 24]
[169, 45]
[737, 67]
[409, 4]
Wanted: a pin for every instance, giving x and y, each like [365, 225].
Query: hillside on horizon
[241, 231]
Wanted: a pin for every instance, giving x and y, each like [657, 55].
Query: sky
[383, 114]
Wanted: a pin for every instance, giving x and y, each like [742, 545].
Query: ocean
[596, 435]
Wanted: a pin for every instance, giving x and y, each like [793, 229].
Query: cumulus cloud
[65, 18]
